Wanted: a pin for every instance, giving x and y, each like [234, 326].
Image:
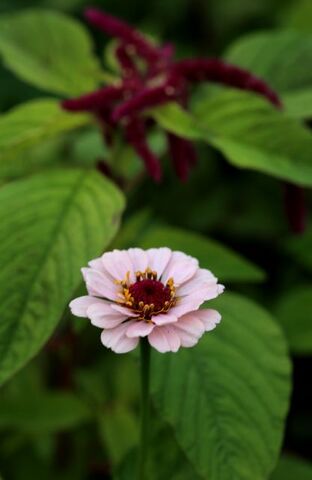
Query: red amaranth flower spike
[161, 81]
[124, 32]
[136, 136]
[95, 100]
[146, 98]
[166, 53]
[125, 61]
[183, 155]
[201, 69]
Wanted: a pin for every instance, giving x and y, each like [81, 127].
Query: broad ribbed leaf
[299, 104]
[51, 225]
[252, 134]
[177, 120]
[222, 261]
[294, 312]
[227, 398]
[297, 16]
[43, 412]
[118, 428]
[249, 132]
[292, 468]
[173, 465]
[281, 58]
[29, 124]
[49, 50]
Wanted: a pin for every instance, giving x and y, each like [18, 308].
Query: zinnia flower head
[153, 293]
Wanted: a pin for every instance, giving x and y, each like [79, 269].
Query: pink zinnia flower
[153, 293]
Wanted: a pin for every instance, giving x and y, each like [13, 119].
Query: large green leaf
[49, 50]
[252, 134]
[292, 468]
[118, 428]
[51, 225]
[299, 104]
[248, 131]
[222, 261]
[227, 398]
[173, 465]
[177, 120]
[281, 58]
[44, 412]
[294, 312]
[298, 16]
[30, 124]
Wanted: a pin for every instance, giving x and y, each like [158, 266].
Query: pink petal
[139, 259]
[186, 304]
[102, 315]
[158, 259]
[202, 294]
[164, 319]
[99, 284]
[165, 339]
[202, 278]
[214, 291]
[140, 329]
[126, 311]
[189, 328]
[210, 318]
[80, 305]
[97, 264]
[118, 264]
[117, 340]
[181, 268]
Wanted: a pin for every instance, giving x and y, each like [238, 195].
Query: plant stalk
[145, 408]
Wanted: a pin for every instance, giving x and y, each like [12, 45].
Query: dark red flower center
[150, 292]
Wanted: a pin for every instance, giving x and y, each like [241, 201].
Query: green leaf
[173, 465]
[118, 431]
[88, 148]
[222, 261]
[49, 50]
[298, 16]
[28, 125]
[43, 412]
[299, 104]
[51, 225]
[227, 398]
[293, 312]
[174, 118]
[281, 58]
[291, 468]
[250, 133]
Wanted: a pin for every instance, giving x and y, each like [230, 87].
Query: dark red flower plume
[115, 27]
[158, 81]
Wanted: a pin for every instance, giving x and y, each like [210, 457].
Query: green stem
[145, 408]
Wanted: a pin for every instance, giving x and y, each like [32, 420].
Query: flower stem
[145, 408]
